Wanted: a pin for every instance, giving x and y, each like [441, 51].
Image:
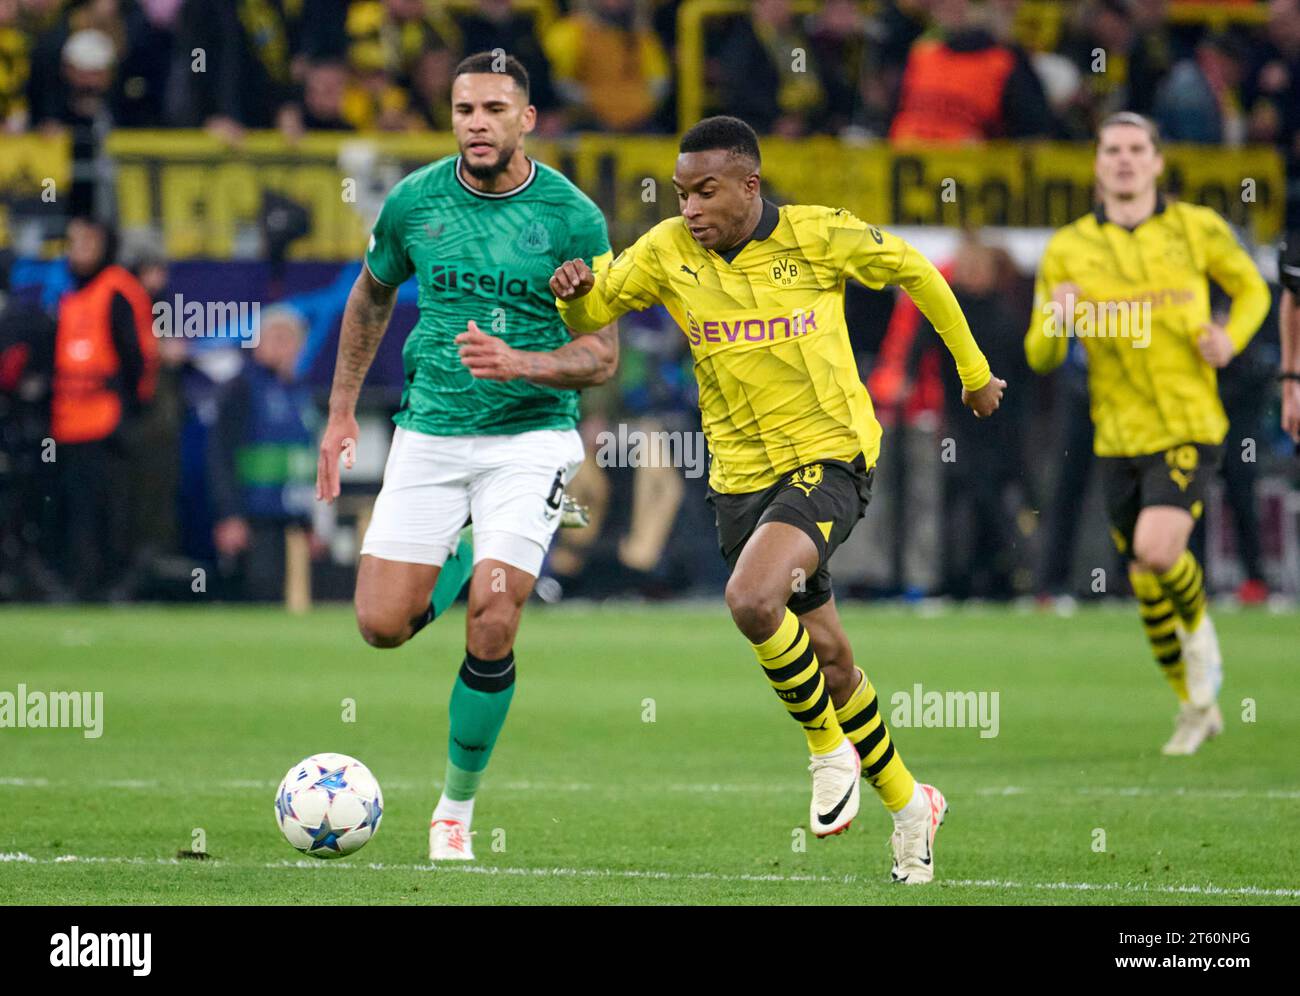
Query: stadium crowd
[89, 525]
[231, 65]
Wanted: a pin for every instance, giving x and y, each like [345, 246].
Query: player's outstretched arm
[592, 300]
[981, 391]
[585, 362]
[365, 319]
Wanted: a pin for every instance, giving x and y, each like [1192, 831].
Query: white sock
[916, 809]
[846, 743]
[451, 809]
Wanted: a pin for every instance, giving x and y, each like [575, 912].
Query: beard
[488, 171]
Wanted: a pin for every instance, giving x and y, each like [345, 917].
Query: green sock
[480, 700]
[455, 572]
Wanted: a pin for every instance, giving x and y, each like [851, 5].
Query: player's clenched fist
[486, 356]
[572, 280]
[985, 401]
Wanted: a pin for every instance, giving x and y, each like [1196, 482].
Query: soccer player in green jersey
[486, 429]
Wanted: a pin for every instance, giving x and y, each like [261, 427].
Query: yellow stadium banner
[35, 179]
[1000, 184]
[204, 199]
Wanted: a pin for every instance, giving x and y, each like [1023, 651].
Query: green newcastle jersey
[486, 257]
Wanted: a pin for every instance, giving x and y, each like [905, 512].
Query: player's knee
[491, 632]
[756, 613]
[383, 630]
[1157, 553]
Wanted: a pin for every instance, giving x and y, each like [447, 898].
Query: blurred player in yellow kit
[758, 291]
[1129, 280]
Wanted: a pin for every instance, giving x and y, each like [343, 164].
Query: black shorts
[824, 499]
[1177, 477]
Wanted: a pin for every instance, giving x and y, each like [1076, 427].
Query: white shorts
[512, 487]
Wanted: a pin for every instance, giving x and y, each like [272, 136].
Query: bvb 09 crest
[783, 272]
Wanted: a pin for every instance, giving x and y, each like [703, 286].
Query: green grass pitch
[588, 802]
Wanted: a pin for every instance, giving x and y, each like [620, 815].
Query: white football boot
[449, 841]
[913, 840]
[573, 515]
[1204, 662]
[1193, 727]
[836, 789]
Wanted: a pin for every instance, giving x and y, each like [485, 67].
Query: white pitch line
[1131, 888]
[1143, 790]
[694, 788]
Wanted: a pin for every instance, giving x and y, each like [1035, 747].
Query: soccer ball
[329, 805]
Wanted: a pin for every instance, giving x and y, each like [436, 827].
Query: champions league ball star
[328, 805]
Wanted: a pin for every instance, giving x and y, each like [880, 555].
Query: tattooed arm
[585, 362]
[365, 319]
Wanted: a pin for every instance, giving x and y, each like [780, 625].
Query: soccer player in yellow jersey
[759, 293]
[1129, 280]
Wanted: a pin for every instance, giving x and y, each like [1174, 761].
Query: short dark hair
[1133, 119]
[495, 61]
[722, 132]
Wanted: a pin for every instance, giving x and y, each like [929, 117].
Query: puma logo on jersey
[693, 273]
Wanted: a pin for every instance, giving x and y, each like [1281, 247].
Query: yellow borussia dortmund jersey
[1143, 298]
[778, 381]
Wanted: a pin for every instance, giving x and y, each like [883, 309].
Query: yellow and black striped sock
[1184, 583]
[882, 766]
[1159, 619]
[791, 666]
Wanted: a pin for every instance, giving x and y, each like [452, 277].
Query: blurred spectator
[1246, 389]
[1062, 507]
[375, 99]
[233, 65]
[404, 51]
[1272, 91]
[1152, 56]
[15, 67]
[79, 102]
[1200, 99]
[154, 435]
[770, 72]
[495, 24]
[1098, 39]
[431, 88]
[966, 86]
[146, 62]
[262, 459]
[608, 65]
[324, 94]
[105, 366]
[888, 36]
[26, 362]
[982, 477]
[78, 93]
[898, 24]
